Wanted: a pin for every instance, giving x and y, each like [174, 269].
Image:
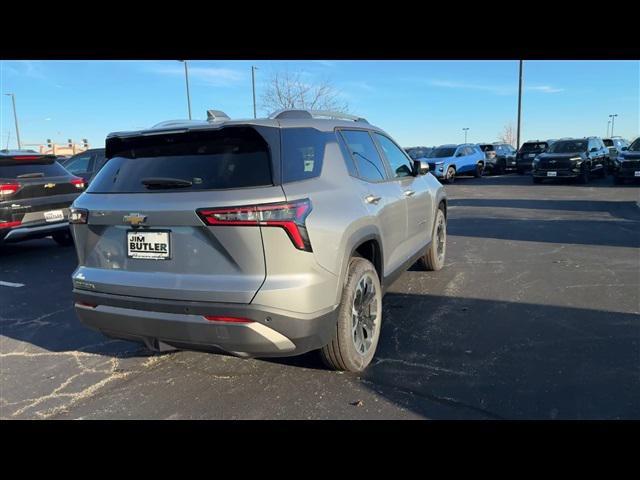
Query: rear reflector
[10, 224]
[290, 216]
[87, 304]
[217, 318]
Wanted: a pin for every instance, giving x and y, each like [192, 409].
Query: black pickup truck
[35, 195]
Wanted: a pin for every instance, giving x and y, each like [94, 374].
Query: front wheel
[64, 239]
[583, 179]
[433, 259]
[357, 331]
[479, 170]
[450, 176]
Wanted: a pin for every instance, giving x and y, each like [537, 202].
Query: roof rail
[216, 116]
[303, 113]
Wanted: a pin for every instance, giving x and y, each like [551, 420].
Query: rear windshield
[17, 170]
[442, 152]
[416, 153]
[533, 147]
[569, 146]
[233, 157]
[487, 148]
[607, 142]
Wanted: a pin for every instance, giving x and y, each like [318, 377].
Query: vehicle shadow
[526, 180]
[495, 359]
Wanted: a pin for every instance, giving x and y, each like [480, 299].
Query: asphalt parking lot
[535, 316]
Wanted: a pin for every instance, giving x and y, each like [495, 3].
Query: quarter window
[365, 155]
[399, 162]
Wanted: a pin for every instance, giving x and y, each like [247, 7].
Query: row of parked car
[575, 158]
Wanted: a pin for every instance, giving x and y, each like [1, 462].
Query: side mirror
[624, 149]
[421, 167]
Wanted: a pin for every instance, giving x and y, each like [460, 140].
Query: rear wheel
[433, 259]
[450, 176]
[617, 180]
[583, 179]
[64, 239]
[537, 180]
[357, 331]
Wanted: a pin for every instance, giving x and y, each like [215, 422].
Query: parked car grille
[550, 164]
[631, 164]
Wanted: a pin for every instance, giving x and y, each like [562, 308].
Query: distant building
[69, 148]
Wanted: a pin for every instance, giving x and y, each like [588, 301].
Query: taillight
[218, 318]
[87, 304]
[78, 183]
[10, 224]
[7, 189]
[78, 215]
[290, 216]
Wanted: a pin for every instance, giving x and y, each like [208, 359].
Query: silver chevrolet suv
[258, 238]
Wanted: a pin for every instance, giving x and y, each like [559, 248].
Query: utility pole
[466, 129]
[253, 86]
[519, 104]
[613, 121]
[186, 78]
[15, 117]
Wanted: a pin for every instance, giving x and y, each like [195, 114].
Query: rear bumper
[180, 324]
[19, 233]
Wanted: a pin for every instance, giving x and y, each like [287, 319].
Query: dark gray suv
[267, 237]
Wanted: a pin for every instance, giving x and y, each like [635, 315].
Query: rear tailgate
[150, 241]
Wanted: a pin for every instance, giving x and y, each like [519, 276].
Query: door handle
[408, 193]
[372, 199]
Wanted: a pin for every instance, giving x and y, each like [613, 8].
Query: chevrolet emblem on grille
[134, 219]
[49, 185]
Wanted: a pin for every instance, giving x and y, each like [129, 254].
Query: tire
[345, 350]
[536, 180]
[617, 180]
[520, 171]
[450, 176]
[479, 170]
[603, 172]
[433, 259]
[64, 239]
[583, 179]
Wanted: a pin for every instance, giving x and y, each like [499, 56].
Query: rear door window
[232, 157]
[365, 155]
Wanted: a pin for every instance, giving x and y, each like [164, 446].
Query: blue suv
[448, 161]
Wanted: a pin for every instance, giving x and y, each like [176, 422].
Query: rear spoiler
[35, 159]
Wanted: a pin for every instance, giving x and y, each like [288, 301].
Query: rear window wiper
[31, 175]
[161, 182]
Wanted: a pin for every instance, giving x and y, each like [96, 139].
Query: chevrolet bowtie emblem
[134, 219]
[49, 185]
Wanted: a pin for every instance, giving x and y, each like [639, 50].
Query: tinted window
[47, 169]
[569, 146]
[80, 163]
[302, 153]
[400, 165]
[365, 155]
[233, 157]
[416, 153]
[487, 148]
[351, 167]
[608, 143]
[442, 152]
[533, 147]
[635, 146]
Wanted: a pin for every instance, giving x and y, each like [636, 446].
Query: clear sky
[417, 102]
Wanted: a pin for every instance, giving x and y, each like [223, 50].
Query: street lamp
[186, 78]
[15, 117]
[613, 121]
[608, 123]
[253, 86]
[465, 134]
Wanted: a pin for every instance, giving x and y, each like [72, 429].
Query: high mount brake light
[28, 157]
[290, 216]
[10, 224]
[7, 189]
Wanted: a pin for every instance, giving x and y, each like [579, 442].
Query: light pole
[465, 134]
[253, 86]
[608, 123]
[519, 104]
[613, 121]
[186, 78]
[15, 117]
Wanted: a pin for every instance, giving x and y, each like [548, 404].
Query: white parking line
[10, 284]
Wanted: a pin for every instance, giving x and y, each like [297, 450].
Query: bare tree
[508, 135]
[287, 90]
